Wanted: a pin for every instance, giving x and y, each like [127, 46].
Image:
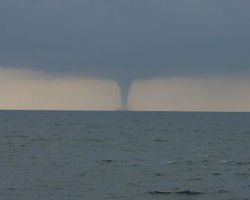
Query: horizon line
[83, 110]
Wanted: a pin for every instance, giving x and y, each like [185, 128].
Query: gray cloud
[131, 38]
[126, 40]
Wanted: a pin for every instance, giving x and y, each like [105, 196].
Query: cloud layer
[126, 39]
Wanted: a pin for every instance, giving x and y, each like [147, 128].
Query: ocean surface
[57, 155]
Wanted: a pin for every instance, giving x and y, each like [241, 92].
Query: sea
[95, 155]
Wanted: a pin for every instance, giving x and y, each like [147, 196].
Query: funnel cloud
[126, 40]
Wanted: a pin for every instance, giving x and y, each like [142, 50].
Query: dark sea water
[49, 155]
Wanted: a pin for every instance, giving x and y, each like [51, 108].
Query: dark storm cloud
[126, 39]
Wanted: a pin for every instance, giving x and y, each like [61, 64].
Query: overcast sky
[126, 39]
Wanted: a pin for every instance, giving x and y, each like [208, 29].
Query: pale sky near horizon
[27, 89]
[34, 90]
